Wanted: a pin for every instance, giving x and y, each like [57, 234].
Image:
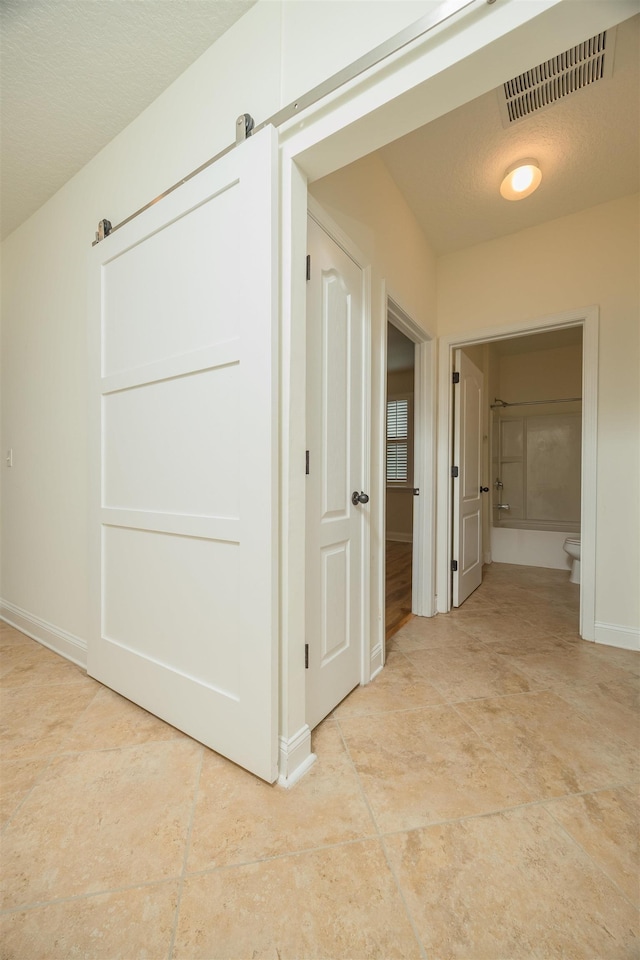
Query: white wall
[265, 60]
[588, 258]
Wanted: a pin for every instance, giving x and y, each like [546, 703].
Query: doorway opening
[366, 204]
[539, 448]
[399, 478]
[525, 455]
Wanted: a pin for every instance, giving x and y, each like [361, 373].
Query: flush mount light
[521, 179]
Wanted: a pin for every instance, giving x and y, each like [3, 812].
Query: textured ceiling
[587, 146]
[74, 73]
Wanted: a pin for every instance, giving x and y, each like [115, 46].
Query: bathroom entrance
[535, 442]
[537, 452]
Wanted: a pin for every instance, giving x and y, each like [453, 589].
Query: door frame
[424, 454]
[317, 213]
[588, 319]
[469, 55]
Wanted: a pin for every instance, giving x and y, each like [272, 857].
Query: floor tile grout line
[385, 852]
[472, 699]
[21, 803]
[109, 891]
[271, 858]
[179, 738]
[376, 835]
[363, 792]
[457, 705]
[507, 766]
[187, 850]
[435, 706]
[540, 802]
[401, 894]
[588, 856]
[12, 687]
[585, 716]
[29, 684]
[54, 755]
[61, 752]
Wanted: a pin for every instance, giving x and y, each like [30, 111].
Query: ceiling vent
[558, 78]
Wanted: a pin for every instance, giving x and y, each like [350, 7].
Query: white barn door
[184, 424]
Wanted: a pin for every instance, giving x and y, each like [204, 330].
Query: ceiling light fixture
[521, 179]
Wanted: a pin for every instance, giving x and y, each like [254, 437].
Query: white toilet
[572, 547]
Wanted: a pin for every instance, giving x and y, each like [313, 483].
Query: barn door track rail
[245, 124]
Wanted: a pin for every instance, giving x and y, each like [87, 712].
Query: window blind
[397, 440]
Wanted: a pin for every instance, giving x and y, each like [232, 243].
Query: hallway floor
[479, 800]
[398, 574]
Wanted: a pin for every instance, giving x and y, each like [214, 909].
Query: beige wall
[588, 258]
[365, 202]
[259, 65]
[553, 495]
[540, 375]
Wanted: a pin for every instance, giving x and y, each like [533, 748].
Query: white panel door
[467, 502]
[184, 490]
[335, 526]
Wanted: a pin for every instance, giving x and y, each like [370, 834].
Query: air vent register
[565, 74]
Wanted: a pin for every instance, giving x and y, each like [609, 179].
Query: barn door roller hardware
[245, 125]
[104, 229]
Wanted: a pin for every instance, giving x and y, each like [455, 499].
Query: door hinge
[455, 377]
[416, 491]
[308, 266]
[306, 463]
[306, 656]
[454, 566]
[454, 472]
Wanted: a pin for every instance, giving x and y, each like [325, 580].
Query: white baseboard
[295, 757]
[399, 537]
[377, 661]
[73, 648]
[616, 636]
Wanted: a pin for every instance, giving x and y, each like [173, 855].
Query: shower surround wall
[536, 454]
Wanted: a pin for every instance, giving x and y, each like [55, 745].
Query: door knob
[357, 498]
[484, 489]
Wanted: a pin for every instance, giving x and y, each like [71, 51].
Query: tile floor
[479, 800]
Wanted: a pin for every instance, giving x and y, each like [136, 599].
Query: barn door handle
[357, 498]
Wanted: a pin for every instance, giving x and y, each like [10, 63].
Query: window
[398, 440]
